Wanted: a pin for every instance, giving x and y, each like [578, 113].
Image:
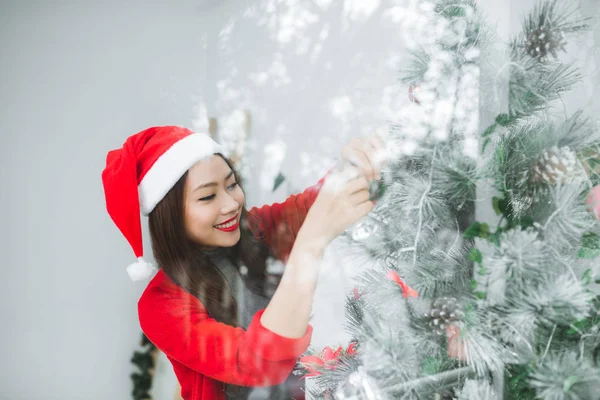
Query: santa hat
[139, 174]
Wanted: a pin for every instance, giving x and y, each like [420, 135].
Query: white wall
[79, 77]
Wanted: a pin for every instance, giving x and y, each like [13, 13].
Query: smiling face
[213, 204]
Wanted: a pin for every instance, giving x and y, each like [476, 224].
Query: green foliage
[516, 384]
[144, 361]
[279, 179]
[590, 246]
[477, 229]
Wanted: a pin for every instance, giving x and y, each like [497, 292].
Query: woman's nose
[231, 205]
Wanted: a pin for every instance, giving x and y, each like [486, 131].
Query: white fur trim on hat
[171, 166]
[140, 270]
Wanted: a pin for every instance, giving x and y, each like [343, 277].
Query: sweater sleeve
[180, 327]
[278, 224]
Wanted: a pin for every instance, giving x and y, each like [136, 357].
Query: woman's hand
[367, 154]
[342, 201]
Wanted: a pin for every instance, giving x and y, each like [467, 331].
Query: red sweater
[206, 353]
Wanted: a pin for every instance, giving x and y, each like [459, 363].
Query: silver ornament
[364, 229]
[359, 386]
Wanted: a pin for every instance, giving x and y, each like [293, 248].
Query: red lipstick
[231, 228]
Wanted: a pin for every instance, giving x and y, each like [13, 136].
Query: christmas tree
[454, 307]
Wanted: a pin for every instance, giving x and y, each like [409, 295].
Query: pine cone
[444, 311]
[543, 41]
[557, 165]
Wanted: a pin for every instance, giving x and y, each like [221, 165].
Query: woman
[204, 308]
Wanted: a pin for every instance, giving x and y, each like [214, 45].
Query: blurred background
[79, 77]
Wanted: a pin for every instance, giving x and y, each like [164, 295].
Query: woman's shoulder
[161, 290]
[165, 312]
[165, 307]
[160, 282]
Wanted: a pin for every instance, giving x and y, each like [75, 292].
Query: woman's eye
[212, 196]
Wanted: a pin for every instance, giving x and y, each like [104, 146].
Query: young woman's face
[213, 204]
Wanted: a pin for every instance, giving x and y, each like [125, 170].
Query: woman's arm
[278, 224]
[342, 201]
[289, 310]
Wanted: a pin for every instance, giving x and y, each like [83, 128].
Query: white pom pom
[140, 270]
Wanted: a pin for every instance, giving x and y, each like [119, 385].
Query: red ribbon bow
[326, 360]
[406, 290]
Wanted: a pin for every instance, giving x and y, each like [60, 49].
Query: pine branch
[532, 86]
[561, 16]
[420, 212]
[567, 219]
[562, 375]
[476, 389]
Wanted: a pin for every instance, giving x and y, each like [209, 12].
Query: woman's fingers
[367, 154]
[358, 191]
[337, 181]
[356, 153]
[378, 152]
[369, 148]
[357, 198]
[357, 184]
[364, 208]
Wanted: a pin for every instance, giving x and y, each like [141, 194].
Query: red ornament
[456, 344]
[413, 91]
[327, 359]
[593, 201]
[406, 290]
